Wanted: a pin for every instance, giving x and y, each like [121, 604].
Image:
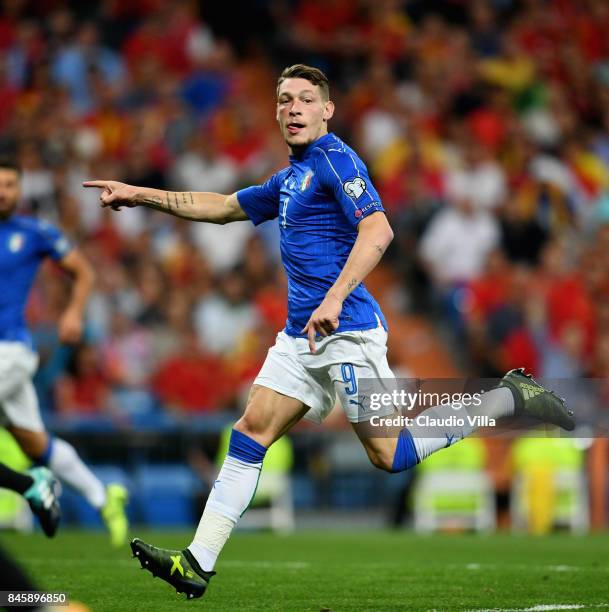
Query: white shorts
[18, 400]
[317, 379]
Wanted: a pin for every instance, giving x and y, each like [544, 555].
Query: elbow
[390, 235]
[87, 273]
[84, 277]
[386, 237]
[377, 230]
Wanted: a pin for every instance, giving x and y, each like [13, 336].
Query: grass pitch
[330, 571]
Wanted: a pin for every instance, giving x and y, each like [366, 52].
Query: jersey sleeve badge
[355, 188]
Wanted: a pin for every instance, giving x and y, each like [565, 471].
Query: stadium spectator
[224, 317]
[454, 248]
[479, 179]
[84, 389]
[191, 381]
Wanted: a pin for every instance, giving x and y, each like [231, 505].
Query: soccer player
[24, 244]
[333, 233]
[37, 485]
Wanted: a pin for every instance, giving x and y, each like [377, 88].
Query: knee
[381, 459]
[253, 426]
[247, 425]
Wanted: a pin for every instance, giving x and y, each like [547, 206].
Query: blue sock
[405, 452]
[244, 448]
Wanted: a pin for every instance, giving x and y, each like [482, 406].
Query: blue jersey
[24, 243]
[319, 200]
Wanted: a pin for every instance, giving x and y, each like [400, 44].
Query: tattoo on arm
[191, 198]
[379, 248]
[153, 201]
[351, 285]
[168, 202]
[184, 198]
[175, 199]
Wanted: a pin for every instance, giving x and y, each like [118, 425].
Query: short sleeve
[261, 202]
[346, 176]
[53, 243]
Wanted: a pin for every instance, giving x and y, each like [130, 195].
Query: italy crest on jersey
[62, 246]
[306, 180]
[15, 242]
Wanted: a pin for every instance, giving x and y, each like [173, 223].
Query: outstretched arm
[374, 236]
[196, 206]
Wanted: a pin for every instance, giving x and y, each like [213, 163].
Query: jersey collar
[306, 152]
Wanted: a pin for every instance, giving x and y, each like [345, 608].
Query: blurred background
[485, 127]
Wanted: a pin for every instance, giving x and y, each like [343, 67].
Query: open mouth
[294, 127]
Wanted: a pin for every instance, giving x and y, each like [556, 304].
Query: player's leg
[20, 410]
[19, 406]
[63, 460]
[360, 362]
[268, 415]
[395, 449]
[37, 485]
[364, 364]
[517, 393]
[61, 457]
[13, 480]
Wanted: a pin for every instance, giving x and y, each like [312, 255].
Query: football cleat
[42, 498]
[113, 514]
[532, 399]
[177, 567]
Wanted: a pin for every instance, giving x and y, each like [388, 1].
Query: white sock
[66, 463]
[495, 404]
[428, 439]
[231, 495]
[212, 534]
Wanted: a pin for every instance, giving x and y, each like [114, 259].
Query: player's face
[9, 191]
[302, 113]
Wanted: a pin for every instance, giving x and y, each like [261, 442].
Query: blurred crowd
[484, 124]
